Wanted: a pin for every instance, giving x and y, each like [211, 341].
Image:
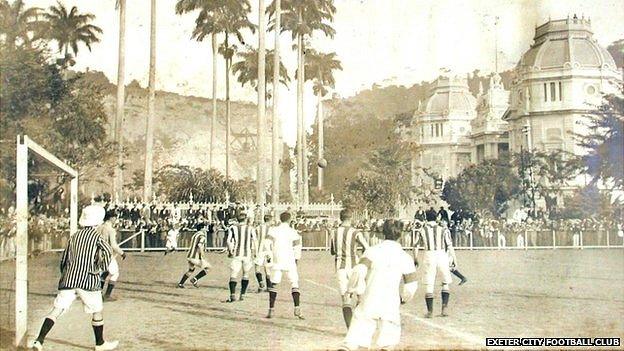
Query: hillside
[182, 130]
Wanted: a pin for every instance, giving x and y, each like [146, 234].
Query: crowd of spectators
[155, 220]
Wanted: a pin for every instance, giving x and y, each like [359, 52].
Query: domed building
[441, 131]
[561, 78]
[489, 133]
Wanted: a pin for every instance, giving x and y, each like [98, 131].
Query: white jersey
[285, 246]
[389, 266]
[172, 237]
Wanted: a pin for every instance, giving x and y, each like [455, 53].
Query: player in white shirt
[384, 278]
[172, 238]
[282, 249]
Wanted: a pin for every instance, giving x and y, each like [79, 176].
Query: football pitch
[535, 293]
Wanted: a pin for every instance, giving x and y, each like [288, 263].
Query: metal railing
[131, 240]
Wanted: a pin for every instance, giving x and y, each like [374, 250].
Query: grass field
[566, 293]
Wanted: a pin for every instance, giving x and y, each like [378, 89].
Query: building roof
[450, 95]
[566, 43]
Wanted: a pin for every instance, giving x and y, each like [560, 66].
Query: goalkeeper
[384, 278]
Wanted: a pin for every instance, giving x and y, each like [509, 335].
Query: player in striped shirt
[436, 241]
[86, 256]
[196, 257]
[345, 242]
[262, 232]
[242, 247]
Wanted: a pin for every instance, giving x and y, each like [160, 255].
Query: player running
[345, 242]
[242, 244]
[378, 277]
[261, 269]
[438, 245]
[196, 257]
[107, 231]
[282, 247]
[172, 238]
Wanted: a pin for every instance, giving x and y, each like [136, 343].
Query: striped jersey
[433, 237]
[241, 240]
[344, 245]
[87, 254]
[261, 233]
[198, 240]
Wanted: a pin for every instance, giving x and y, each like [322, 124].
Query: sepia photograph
[311, 175]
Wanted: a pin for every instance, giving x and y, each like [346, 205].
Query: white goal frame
[25, 144]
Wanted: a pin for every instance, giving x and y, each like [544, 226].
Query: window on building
[441, 129]
[552, 91]
[432, 129]
[437, 128]
[545, 92]
[560, 92]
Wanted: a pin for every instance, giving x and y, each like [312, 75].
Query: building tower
[489, 133]
[441, 130]
[561, 78]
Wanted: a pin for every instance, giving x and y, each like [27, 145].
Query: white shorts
[200, 263]
[113, 269]
[293, 276]
[362, 330]
[436, 261]
[343, 275]
[171, 243]
[240, 263]
[91, 300]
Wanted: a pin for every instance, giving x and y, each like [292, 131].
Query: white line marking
[322, 285]
[471, 338]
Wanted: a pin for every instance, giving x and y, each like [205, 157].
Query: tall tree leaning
[151, 97]
[302, 18]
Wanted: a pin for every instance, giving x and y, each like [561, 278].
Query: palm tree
[121, 93]
[20, 24]
[275, 172]
[246, 70]
[302, 18]
[320, 69]
[230, 18]
[261, 122]
[149, 134]
[71, 28]
[208, 6]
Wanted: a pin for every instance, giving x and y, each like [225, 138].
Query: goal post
[24, 145]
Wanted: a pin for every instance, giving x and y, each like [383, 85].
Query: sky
[385, 42]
